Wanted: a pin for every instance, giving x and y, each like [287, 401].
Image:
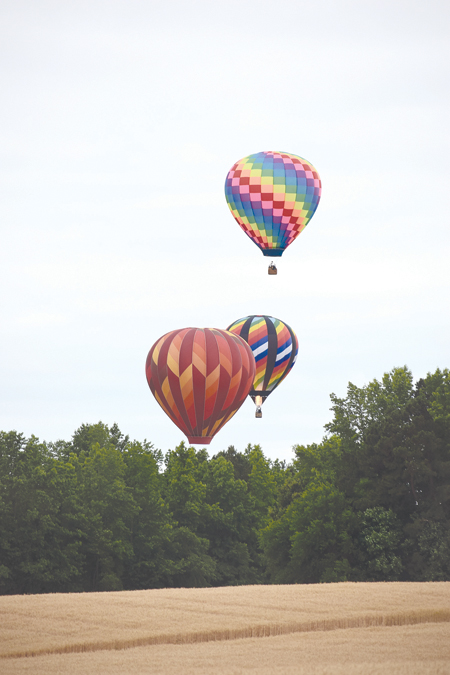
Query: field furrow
[69, 626]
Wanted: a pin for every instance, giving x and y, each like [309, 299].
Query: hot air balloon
[200, 378]
[274, 345]
[273, 196]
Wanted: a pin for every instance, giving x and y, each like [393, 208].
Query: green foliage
[38, 500]
[434, 550]
[184, 490]
[365, 405]
[150, 526]
[240, 462]
[206, 497]
[370, 502]
[89, 435]
[261, 484]
[312, 540]
[380, 536]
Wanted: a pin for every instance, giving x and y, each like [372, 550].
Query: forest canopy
[370, 502]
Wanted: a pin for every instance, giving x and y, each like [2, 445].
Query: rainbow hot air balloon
[274, 345]
[273, 196]
[200, 378]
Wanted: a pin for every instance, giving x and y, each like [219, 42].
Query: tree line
[371, 502]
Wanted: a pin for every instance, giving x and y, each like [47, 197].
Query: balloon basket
[272, 269]
[258, 412]
[200, 440]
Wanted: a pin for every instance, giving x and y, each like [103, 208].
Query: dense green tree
[225, 511]
[39, 536]
[184, 491]
[433, 555]
[152, 528]
[380, 536]
[261, 484]
[241, 464]
[229, 525]
[395, 443]
[370, 502]
[312, 541]
[109, 509]
[88, 435]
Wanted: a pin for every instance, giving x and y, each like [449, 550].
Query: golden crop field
[337, 629]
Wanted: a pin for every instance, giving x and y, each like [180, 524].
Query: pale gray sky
[119, 122]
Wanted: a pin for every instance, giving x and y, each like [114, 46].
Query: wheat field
[351, 628]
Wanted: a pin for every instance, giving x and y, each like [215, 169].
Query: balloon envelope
[200, 378]
[274, 345]
[273, 196]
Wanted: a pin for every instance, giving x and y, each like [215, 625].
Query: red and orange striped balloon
[200, 378]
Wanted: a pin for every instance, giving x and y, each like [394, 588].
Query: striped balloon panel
[273, 196]
[200, 378]
[274, 346]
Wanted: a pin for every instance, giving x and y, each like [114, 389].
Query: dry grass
[334, 628]
[411, 650]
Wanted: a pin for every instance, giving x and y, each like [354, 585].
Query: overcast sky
[119, 122]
